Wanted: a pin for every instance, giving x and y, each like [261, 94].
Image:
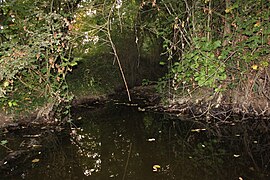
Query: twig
[6, 147]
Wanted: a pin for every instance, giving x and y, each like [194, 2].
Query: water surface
[119, 142]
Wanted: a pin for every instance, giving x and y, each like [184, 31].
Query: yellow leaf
[183, 24]
[258, 24]
[197, 130]
[156, 167]
[228, 10]
[6, 83]
[35, 160]
[38, 56]
[255, 67]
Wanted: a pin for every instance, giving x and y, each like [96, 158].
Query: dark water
[118, 142]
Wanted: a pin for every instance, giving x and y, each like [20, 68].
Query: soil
[5, 120]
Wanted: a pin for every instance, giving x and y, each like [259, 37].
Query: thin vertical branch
[209, 21]
[227, 25]
[51, 9]
[115, 52]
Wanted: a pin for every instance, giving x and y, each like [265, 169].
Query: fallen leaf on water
[156, 168]
[37, 146]
[35, 160]
[197, 130]
[151, 139]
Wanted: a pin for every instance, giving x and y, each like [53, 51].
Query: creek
[115, 141]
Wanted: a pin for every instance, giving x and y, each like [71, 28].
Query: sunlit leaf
[74, 63]
[162, 63]
[264, 63]
[183, 24]
[3, 142]
[228, 10]
[258, 24]
[255, 67]
[6, 83]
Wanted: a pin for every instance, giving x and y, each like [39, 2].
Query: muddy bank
[201, 103]
[218, 106]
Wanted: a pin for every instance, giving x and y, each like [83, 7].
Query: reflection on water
[117, 142]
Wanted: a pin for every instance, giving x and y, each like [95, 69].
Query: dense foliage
[36, 51]
[213, 44]
[220, 45]
[214, 50]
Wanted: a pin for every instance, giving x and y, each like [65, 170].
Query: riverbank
[219, 106]
[201, 103]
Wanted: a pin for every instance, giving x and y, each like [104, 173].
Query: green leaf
[162, 63]
[217, 44]
[4, 142]
[73, 63]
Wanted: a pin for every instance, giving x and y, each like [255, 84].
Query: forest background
[192, 50]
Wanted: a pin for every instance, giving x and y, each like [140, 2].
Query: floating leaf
[151, 139]
[197, 130]
[203, 145]
[141, 109]
[236, 155]
[35, 160]
[156, 167]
